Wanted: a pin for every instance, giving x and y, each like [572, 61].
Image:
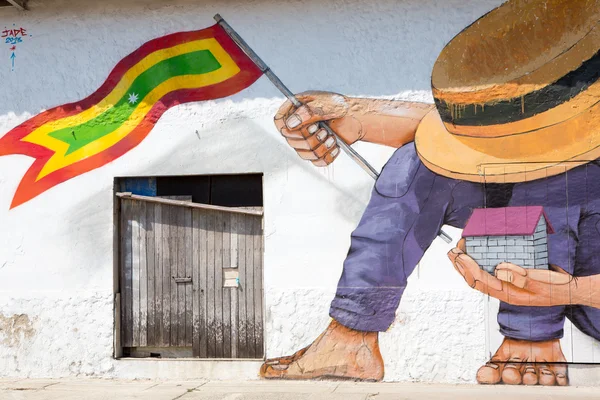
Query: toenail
[495, 366]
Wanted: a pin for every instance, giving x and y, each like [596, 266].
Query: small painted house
[511, 234]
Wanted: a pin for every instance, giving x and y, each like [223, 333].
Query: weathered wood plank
[158, 275]
[234, 323]
[189, 295]
[226, 220]
[150, 262]
[219, 285]
[181, 287]
[249, 287]
[233, 241]
[122, 274]
[117, 281]
[203, 273]
[135, 265]
[143, 276]
[167, 201]
[126, 271]
[243, 350]
[196, 311]
[258, 288]
[173, 247]
[166, 277]
[118, 350]
[165, 330]
[210, 295]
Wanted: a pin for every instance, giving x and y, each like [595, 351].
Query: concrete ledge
[584, 374]
[186, 369]
[274, 390]
[587, 375]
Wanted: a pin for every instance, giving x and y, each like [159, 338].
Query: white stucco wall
[56, 267]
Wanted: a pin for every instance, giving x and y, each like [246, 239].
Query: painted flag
[75, 138]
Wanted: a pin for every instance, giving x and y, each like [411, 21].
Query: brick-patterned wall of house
[527, 251]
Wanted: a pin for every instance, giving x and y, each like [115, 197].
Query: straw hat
[517, 94]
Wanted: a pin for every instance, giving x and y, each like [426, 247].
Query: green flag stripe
[194, 63]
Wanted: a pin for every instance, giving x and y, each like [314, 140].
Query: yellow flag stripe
[121, 88]
[60, 159]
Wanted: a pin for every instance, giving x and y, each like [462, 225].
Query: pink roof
[518, 221]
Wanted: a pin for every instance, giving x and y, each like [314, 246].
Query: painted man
[515, 123]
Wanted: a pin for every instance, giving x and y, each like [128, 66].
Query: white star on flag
[133, 98]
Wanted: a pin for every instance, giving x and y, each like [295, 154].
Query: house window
[190, 273]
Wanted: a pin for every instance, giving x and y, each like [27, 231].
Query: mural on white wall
[512, 140]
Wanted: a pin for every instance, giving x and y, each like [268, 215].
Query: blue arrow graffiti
[12, 57]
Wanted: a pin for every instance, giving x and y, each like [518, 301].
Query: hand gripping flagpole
[293, 99]
[297, 103]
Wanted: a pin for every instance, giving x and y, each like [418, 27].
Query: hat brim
[540, 153]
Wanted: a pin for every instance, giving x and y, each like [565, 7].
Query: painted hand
[516, 285]
[300, 126]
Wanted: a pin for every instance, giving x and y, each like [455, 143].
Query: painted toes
[530, 376]
[286, 359]
[562, 379]
[547, 377]
[561, 373]
[489, 374]
[273, 371]
[511, 375]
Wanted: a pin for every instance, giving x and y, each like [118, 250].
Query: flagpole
[293, 99]
[297, 103]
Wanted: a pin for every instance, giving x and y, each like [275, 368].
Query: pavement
[98, 389]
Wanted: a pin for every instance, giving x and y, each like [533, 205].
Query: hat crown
[496, 70]
[517, 94]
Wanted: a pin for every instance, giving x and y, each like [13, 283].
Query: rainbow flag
[75, 138]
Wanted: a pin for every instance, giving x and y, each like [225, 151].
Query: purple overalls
[408, 206]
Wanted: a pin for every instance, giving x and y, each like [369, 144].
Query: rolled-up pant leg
[546, 323]
[531, 323]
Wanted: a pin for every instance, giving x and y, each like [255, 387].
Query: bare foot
[338, 353]
[520, 362]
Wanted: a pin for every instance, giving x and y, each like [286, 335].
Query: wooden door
[191, 277]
